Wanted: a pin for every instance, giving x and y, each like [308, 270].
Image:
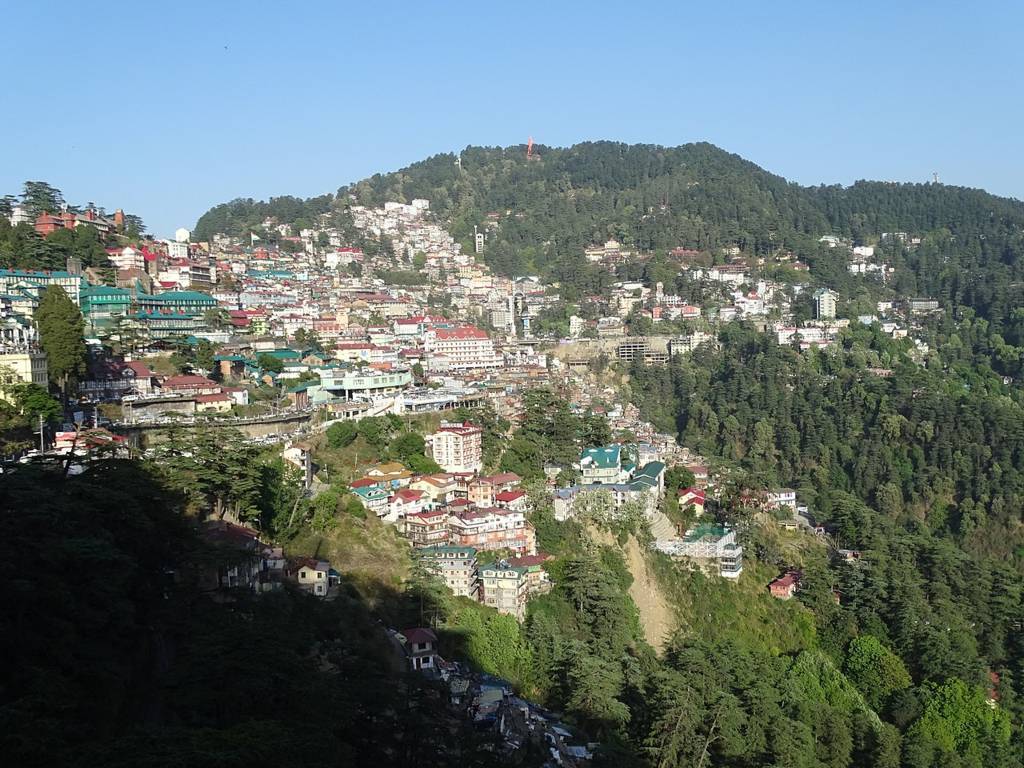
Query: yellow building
[21, 367]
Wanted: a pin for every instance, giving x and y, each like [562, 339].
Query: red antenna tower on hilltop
[529, 148]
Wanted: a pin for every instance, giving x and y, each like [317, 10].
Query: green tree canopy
[61, 336]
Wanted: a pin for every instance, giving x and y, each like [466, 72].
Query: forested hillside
[919, 469]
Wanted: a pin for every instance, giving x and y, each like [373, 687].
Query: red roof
[466, 332]
[509, 495]
[420, 635]
[223, 532]
[502, 478]
[785, 581]
[140, 368]
[365, 482]
[430, 514]
[465, 428]
[407, 494]
[216, 397]
[188, 382]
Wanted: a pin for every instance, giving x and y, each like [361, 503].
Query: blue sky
[165, 111]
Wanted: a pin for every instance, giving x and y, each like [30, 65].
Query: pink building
[457, 447]
[491, 529]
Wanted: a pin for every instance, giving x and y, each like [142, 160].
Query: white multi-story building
[825, 304]
[576, 326]
[708, 545]
[457, 447]
[602, 465]
[20, 215]
[14, 281]
[782, 497]
[457, 349]
[22, 365]
[177, 249]
[491, 529]
[684, 344]
[127, 258]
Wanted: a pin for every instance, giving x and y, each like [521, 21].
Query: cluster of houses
[247, 563]
[505, 584]
[490, 703]
[144, 394]
[604, 471]
[452, 517]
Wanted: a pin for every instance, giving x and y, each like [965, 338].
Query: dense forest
[918, 468]
[242, 216]
[653, 198]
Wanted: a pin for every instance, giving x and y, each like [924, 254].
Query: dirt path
[656, 615]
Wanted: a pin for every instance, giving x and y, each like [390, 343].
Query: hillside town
[286, 340]
[312, 330]
[436, 386]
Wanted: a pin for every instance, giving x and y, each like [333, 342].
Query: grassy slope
[368, 553]
[744, 611]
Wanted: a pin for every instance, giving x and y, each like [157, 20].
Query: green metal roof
[157, 315]
[705, 529]
[371, 492]
[36, 274]
[603, 458]
[104, 290]
[651, 469]
[182, 296]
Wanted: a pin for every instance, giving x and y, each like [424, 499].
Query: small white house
[314, 576]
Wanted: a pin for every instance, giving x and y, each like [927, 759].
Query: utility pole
[42, 448]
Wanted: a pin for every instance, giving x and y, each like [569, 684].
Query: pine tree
[61, 335]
